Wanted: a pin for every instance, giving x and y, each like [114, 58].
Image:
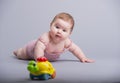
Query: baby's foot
[17, 52]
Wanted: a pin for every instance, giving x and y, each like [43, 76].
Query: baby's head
[65, 17]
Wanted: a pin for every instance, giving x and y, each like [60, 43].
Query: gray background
[96, 32]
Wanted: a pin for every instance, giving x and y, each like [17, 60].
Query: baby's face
[60, 29]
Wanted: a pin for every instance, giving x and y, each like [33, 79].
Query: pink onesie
[50, 56]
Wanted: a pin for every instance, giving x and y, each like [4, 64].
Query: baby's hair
[65, 17]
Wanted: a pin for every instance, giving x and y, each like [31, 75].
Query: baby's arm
[40, 46]
[39, 50]
[79, 54]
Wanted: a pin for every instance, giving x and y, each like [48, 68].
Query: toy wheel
[46, 76]
[31, 77]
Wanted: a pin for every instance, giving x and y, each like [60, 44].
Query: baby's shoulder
[44, 37]
[68, 42]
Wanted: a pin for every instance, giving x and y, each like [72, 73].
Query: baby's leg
[21, 53]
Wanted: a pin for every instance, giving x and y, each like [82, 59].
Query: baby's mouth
[58, 36]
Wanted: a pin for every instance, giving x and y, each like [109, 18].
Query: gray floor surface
[69, 70]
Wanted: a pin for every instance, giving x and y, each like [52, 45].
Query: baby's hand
[87, 60]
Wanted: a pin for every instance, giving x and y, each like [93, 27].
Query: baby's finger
[89, 61]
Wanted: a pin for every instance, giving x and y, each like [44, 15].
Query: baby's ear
[70, 32]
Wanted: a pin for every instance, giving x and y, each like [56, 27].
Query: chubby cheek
[65, 36]
[52, 31]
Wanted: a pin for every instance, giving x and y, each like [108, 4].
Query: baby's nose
[59, 31]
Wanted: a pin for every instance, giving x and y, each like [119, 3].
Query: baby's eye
[64, 30]
[57, 27]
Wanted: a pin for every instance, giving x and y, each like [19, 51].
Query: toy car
[42, 69]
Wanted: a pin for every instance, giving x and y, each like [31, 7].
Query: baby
[51, 44]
